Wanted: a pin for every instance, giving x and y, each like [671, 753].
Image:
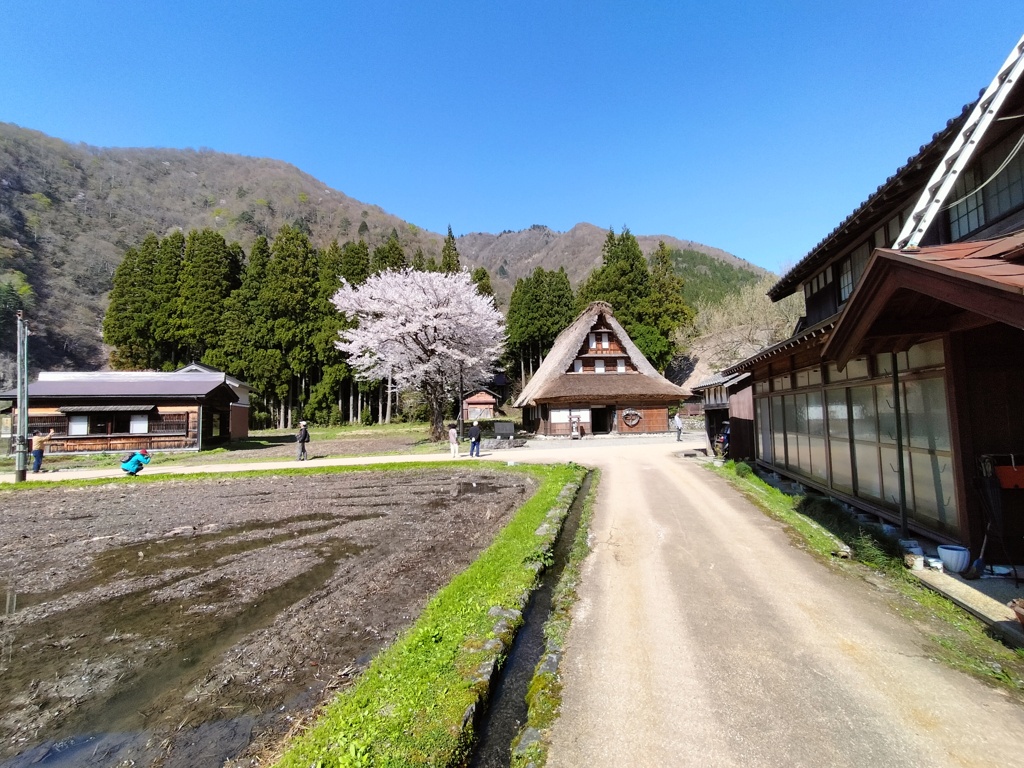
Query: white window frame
[78, 424]
[599, 366]
[577, 366]
[621, 366]
[139, 424]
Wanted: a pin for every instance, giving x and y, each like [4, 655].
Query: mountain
[68, 212]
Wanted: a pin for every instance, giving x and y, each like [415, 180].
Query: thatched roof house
[597, 379]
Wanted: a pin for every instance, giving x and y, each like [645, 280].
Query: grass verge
[415, 704]
[824, 528]
[544, 696]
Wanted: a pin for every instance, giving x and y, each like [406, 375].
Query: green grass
[544, 696]
[821, 526]
[411, 706]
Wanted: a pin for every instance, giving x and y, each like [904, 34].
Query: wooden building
[899, 390]
[479, 404]
[729, 398]
[129, 410]
[597, 378]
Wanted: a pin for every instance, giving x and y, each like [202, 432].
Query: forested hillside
[69, 213]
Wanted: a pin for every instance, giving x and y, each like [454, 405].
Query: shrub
[743, 469]
[366, 417]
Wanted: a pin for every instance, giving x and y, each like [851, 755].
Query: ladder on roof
[960, 151]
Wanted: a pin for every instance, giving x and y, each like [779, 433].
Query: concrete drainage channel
[506, 712]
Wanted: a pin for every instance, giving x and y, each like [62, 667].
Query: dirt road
[704, 637]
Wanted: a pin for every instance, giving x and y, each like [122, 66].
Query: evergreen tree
[123, 325]
[648, 302]
[243, 321]
[389, 257]
[419, 261]
[204, 283]
[165, 294]
[287, 296]
[355, 262]
[622, 280]
[541, 307]
[332, 372]
[482, 280]
[450, 254]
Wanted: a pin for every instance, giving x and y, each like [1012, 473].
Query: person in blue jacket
[136, 462]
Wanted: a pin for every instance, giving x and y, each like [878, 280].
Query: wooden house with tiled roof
[899, 391]
[597, 378]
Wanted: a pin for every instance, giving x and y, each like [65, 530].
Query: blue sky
[751, 126]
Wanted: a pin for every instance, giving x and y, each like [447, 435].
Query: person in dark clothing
[303, 438]
[134, 464]
[474, 440]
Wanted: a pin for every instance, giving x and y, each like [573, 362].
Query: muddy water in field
[187, 623]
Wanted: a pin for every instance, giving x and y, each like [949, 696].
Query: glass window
[781, 382]
[604, 341]
[857, 368]
[859, 260]
[599, 366]
[593, 341]
[845, 279]
[78, 424]
[621, 365]
[927, 355]
[863, 417]
[839, 439]
[968, 214]
[925, 404]
[577, 366]
[139, 424]
[778, 430]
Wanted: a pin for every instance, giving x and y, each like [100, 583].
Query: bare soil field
[189, 623]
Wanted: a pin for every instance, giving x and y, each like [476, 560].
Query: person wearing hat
[134, 463]
[303, 438]
[474, 440]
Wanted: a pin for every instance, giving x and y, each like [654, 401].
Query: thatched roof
[554, 382]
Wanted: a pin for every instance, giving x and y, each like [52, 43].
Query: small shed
[480, 404]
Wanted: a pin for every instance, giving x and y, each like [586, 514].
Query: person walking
[474, 440]
[677, 422]
[38, 443]
[303, 438]
[453, 440]
[135, 462]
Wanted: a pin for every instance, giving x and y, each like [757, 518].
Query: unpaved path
[704, 637]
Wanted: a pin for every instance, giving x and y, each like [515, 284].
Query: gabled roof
[194, 367]
[552, 379]
[906, 297]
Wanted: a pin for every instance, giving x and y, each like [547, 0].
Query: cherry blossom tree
[424, 330]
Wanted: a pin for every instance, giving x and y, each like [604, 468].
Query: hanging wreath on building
[631, 417]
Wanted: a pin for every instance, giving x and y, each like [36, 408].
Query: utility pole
[21, 457]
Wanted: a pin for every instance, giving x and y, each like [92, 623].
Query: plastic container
[954, 559]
